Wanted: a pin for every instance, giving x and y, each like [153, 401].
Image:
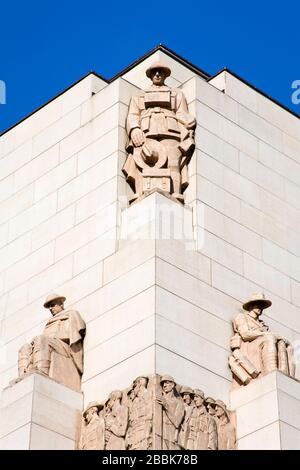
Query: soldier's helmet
[93, 404]
[158, 66]
[167, 378]
[188, 390]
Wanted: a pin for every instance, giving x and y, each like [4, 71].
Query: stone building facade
[159, 304]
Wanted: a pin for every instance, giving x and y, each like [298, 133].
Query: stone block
[193, 290]
[133, 340]
[33, 216]
[279, 162]
[38, 401]
[45, 439]
[217, 148]
[231, 231]
[122, 289]
[17, 440]
[267, 277]
[291, 147]
[127, 258]
[220, 251]
[266, 438]
[120, 318]
[95, 152]
[157, 217]
[262, 176]
[15, 159]
[97, 199]
[17, 203]
[53, 227]
[272, 400]
[281, 259]
[192, 318]
[191, 346]
[56, 132]
[88, 181]
[120, 375]
[29, 266]
[216, 197]
[14, 251]
[6, 187]
[36, 168]
[260, 127]
[97, 250]
[181, 255]
[187, 372]
[78, 236]
[289, 437]
[50, 279]
[56, 178]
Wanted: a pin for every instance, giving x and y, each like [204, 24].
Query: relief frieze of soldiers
[156, 413]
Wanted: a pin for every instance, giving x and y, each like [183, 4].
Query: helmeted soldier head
[186, 394]
[257, 302]
[198, 397]
[55, 303]
[210, 405]
[93, 408]
[167, 382]
[158, 72]
[221, 409]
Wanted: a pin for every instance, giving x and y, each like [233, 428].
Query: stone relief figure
[202, 426]
[187, 396]
[58, 352]
[226, 431]
[116, 422]
[156, 413]
[160, 138]
[255, 350]
[139, 431]
[210, 404]
[172, 413]
[93, 428]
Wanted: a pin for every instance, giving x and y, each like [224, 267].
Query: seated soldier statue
[58, 351]
[256, 350]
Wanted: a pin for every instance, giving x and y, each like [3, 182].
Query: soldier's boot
[283, 365]
[269, 354]
[25, 360]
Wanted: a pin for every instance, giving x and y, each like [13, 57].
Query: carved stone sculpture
[172, 413]
[139, 431]
[255, 350]
[187, 396]
[226, 431]
[93, 428]
[210, 404]
[160, 138]
[156, 413]
[116, 422]
[58, 352]
[202, 426]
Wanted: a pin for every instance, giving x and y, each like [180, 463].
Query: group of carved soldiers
[134, 418]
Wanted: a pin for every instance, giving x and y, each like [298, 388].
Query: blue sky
[46, 46]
